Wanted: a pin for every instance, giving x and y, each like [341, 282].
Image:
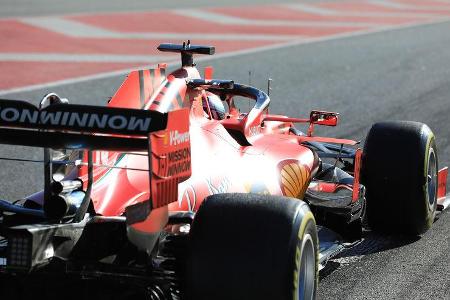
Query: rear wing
[71, 126]
[83, 127]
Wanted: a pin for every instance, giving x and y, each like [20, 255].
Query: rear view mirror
[323, 118]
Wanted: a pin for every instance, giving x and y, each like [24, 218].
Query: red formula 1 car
[176, 190]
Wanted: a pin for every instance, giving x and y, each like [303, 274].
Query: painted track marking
[105, 45]
[59, 57]
[79, 30]
[224, 19]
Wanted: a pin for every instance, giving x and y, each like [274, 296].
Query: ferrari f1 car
[175, 190]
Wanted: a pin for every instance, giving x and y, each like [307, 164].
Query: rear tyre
[399, 170]
[247, 246]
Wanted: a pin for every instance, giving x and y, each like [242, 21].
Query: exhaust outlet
[63, 206]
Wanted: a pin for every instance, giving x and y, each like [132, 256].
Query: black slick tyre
[399, 170]
[248, 246]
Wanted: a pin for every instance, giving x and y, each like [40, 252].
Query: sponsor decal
[66, 116]
[175, 162]
[179, 161]
[73, 119]
[222, 186]
[294, 178]
[182, 154]
[189, 197]
[178, 168]
[177, 138]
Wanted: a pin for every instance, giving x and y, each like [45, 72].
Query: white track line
[220, 56]
[389, 4]
[95, 58]
[207, 36]
[306, 8]
[80, 30]
[230, 20]
[210, 16]
[397, 5]
[329, 12]
[67, 27]
[311, 9]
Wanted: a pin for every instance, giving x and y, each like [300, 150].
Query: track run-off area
[369, 60]
[38, 51]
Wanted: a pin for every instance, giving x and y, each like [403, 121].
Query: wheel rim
[307, 272]
[431, 179]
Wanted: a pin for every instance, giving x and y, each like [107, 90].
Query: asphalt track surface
[401, 74]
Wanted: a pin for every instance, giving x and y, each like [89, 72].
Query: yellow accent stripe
[306, 217]
[425, 169]
[427, 149]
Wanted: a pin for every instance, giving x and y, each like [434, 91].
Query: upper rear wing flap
[78, 126]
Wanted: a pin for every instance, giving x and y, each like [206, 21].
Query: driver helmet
[216, 106]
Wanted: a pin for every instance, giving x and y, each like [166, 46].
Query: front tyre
[247, 246]
[399, 170]
[305, 273]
